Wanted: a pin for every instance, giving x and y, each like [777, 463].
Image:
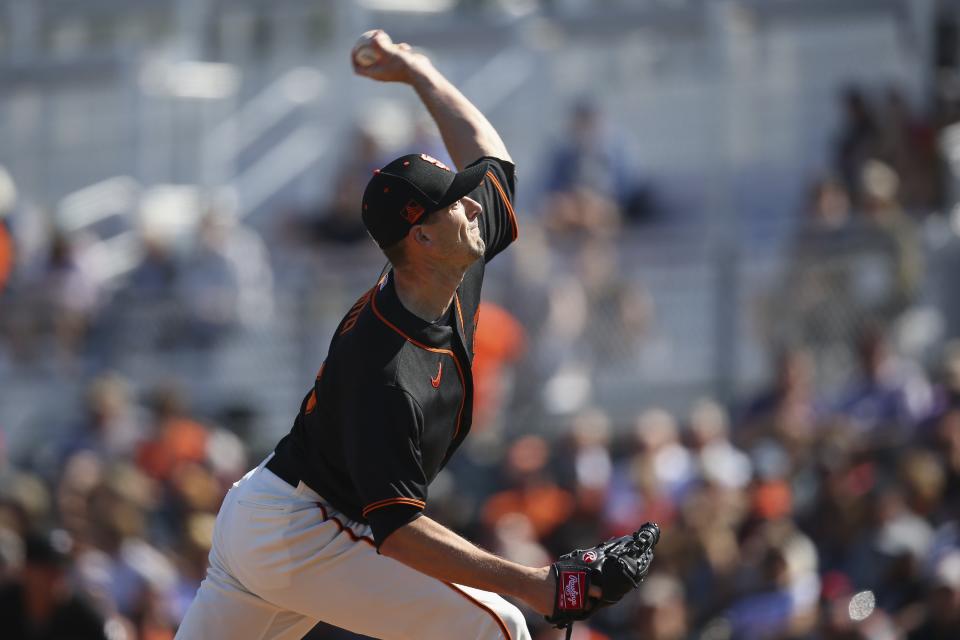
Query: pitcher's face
[455, 232]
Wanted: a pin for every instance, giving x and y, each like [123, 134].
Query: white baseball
[364, 51]
[366, 55]
[861, 605]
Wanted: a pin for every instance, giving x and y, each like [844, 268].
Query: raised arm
[466, 132]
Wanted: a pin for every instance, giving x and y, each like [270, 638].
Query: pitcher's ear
[421, 236]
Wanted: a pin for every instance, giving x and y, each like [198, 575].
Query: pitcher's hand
[396, 62]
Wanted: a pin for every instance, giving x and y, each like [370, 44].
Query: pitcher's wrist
[420, 70]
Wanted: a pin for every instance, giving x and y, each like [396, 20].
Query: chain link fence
[648, 319]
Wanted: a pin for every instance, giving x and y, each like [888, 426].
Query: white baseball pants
[283, 559]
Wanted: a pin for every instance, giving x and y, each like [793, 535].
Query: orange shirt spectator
[498, 341]
[546, 505]
[6, 255]
[179, 440]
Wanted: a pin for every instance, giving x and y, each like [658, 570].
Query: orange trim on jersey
[354, 314]
[312, 401]
[456, 298]
[496, 617]
[345, 529]
[506, 201]
[463, 381]
[373, 506]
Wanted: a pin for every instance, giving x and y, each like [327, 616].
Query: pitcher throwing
[330, 526]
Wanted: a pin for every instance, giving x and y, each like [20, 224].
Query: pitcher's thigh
[379, 597]
[218, 613]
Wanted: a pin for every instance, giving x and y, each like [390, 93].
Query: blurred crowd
[68, 309]
[825, 506]
[775, 512]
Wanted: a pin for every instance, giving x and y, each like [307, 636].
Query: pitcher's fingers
[381, 40]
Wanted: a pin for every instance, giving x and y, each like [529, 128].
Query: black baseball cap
[412, 186]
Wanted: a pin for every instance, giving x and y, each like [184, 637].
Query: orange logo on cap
[412, 211]
[433, 160]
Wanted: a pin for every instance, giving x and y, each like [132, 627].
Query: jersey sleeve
[383, 455]
[498, 222]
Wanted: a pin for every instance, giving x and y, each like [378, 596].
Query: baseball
[364, 51]
[366, 55]
[861, 605]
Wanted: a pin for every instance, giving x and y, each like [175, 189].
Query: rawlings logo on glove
[616, 566]
[574, 593]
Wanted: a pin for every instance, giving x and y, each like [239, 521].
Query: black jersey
[394, 398]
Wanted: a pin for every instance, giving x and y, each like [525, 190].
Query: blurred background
[730, 309]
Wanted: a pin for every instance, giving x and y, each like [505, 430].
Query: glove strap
[572, 585]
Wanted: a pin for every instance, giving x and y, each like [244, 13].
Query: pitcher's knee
[509, 624]
[516, 624]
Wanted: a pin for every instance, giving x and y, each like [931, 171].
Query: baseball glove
[616, 566]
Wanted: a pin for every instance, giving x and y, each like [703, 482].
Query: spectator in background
[176, 437]
[584, 467]
[946, 440]
[338, 221]
[115, 563]
[706, 548]
[719, 462]
[11, 555]
[790, 398]
[583, 460]
[8, 195]
[662, 611]
[597, 323]
[515, 539]
[498, 342]
[780, 584]
[826, 227]
[69, 297]
[674, 468]
[944, 258]
[892, 236]
[562, 355]
[922, 476]
[142, 315]
[909, 146]
[770, 492]
[620, 309]
[529, 490]
[889, 396]
[194, 546]
[838, 511]
[815, 305]
[648, 484]
[41, 604]
[227, 282]
[155, 276]
[6, 269]
[941, 619]
[112, 428]
[588, 179]
[890, 552]
[858, 140]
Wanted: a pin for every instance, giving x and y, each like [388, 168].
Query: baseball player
[331, 527]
